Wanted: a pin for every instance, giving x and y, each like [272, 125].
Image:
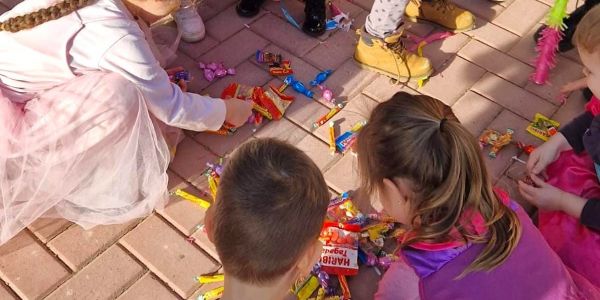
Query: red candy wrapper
[270, 103]
[340, 250]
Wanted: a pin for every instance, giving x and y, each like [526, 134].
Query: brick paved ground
[483, 74]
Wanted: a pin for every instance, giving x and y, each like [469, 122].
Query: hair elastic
[442, 122]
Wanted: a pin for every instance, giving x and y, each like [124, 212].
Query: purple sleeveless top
[532, 271]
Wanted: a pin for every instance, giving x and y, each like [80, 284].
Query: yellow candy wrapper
[543, 127]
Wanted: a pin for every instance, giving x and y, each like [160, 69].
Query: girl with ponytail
[465, 239]
[88, 116]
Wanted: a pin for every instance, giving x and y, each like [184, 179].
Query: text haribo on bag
[340, 250]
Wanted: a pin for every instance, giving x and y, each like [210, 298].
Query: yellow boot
[440, 12]
[389, 57]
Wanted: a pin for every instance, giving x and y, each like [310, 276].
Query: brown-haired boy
[266, 220]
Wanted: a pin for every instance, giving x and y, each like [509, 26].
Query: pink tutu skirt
[577, 245]
[87, 151]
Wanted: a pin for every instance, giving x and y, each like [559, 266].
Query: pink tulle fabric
[593, 106]
[87, 151]
[577, 245]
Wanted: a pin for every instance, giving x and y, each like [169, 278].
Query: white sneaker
[189, 22]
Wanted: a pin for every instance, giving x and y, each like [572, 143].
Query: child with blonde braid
[83, 106]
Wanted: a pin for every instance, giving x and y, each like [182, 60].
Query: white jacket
[100, 37]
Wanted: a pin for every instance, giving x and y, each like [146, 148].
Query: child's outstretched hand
[547, 153]
[542, 195]
[574, 86]
[237, 112]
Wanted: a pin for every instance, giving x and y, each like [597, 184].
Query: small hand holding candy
[542, 194]
[237, 112]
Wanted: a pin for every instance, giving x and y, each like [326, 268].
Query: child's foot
[248, 8]
[315, 22]
[189, 22]
[440, 12]
[389, 57]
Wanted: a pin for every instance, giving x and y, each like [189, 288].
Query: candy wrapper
[277, 66]
[342, 210]
[346, 141]
[213, 71]
[496, 140]
[213, 175]
[543, 127]
[340, 250]
[271, 103]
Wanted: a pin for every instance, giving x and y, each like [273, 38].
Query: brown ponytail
[43, 15]
[420, 139]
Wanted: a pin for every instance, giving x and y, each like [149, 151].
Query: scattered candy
[190, 239]
[346, 141]
[210, 278]
[345, 288]
[495, 139]
[265, 57]
[297, 86]
[339, 19]
[214, 174]
[288, 16]
[332, 138]
[277, 66]
[270, 103]
[348, 237]
[213, 71]
[527, 149]
[213, 294]
[327, 93]
[226, 129]
[304, 289]
[320, 78]
[326, 117]
[194, 199]
[543, 127]
[342, 209]
[518, 160]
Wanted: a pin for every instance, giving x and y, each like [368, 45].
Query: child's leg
[89, 150]
[385, 17]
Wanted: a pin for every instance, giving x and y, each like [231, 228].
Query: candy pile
[270, 103]
[349, 238]
[213, 70]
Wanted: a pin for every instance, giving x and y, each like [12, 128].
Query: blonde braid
[43, 15]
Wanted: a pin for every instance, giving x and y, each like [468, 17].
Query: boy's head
[587, 40]
[269, 211]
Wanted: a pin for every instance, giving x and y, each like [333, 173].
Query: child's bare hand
[574, 86]
[543, 195]
[237, 112]
[547, 153]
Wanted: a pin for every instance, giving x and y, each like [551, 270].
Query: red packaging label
[340, 252]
